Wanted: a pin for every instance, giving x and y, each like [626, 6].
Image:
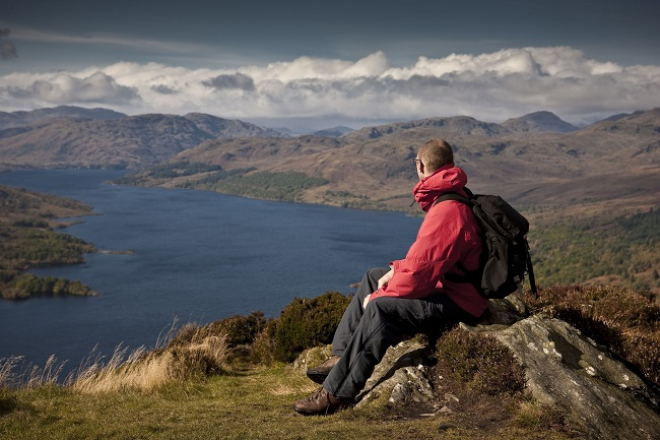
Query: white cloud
[490, 87]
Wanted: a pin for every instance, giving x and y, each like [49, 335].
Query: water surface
[197, 256]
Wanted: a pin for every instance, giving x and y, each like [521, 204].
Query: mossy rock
[311, 358]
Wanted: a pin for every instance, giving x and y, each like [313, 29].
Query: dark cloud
[7, 48]
[164, 90]
[231, 82]
[97, 88]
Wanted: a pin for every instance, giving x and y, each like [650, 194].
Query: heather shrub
[236, 330]
[306, 323]
[240, 330]
[478, 362]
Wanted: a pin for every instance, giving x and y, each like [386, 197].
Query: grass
[145, 395]
[251, 404]
[199, 385]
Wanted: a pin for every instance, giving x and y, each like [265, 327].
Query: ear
[420, 167]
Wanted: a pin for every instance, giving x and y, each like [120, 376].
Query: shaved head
[435, 154]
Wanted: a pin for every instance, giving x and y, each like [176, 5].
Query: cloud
[97, 88]
[163, 89]
[490, 87]
[228, 82]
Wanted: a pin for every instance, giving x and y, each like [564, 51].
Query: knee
[381, 306]
[376, 272]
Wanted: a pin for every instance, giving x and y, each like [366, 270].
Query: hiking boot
[320, 402]
[320, 372]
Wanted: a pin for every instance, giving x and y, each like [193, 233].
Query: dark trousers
[364, 335]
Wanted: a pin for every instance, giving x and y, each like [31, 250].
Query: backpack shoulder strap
[455, 196]
[471, 276]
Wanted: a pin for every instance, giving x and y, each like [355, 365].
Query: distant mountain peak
[22, 118]
[541, 121]
[463, 125]
[337, 131]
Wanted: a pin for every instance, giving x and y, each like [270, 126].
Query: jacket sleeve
[440, 243]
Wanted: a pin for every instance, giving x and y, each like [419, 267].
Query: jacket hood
[448, 178]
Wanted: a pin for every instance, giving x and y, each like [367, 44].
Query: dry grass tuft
[192, 352]
[29, 376]
[192, 355]
[135, 372]
[7, 367]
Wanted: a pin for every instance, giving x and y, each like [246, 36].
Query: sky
[312, 65]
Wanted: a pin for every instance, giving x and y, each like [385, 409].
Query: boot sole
[318, 378]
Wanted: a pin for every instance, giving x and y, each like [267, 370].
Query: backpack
[505, 259]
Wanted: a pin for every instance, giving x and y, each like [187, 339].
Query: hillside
[333, 132]
[18, 119]
[539, 122]
[372, 167]
[68, 137]
[537, 159]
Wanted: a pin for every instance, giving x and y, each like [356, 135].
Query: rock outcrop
[569, 372]
[565, 370]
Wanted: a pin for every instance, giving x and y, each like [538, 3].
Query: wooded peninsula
[27, 227]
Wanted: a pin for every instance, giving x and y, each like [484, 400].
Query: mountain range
[76, 137]
[534, 159]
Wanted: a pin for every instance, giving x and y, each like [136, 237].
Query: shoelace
[319, 393]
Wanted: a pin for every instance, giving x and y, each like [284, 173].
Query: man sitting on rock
[413, 295]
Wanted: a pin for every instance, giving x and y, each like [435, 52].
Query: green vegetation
[306, 323]
[37, 245]
[624, 250]
[286, 187]
[27, 238]
[167, 171]
[211, 181]
[347, 199]
[201, 386]
[27, 285]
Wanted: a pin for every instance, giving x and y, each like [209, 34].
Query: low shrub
[306, 323]
[478, 362]
[240, 329]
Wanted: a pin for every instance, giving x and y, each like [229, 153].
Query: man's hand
[382, 281]
[385, 279]
[366, 301]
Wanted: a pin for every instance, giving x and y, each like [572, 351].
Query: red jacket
[449, 234]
